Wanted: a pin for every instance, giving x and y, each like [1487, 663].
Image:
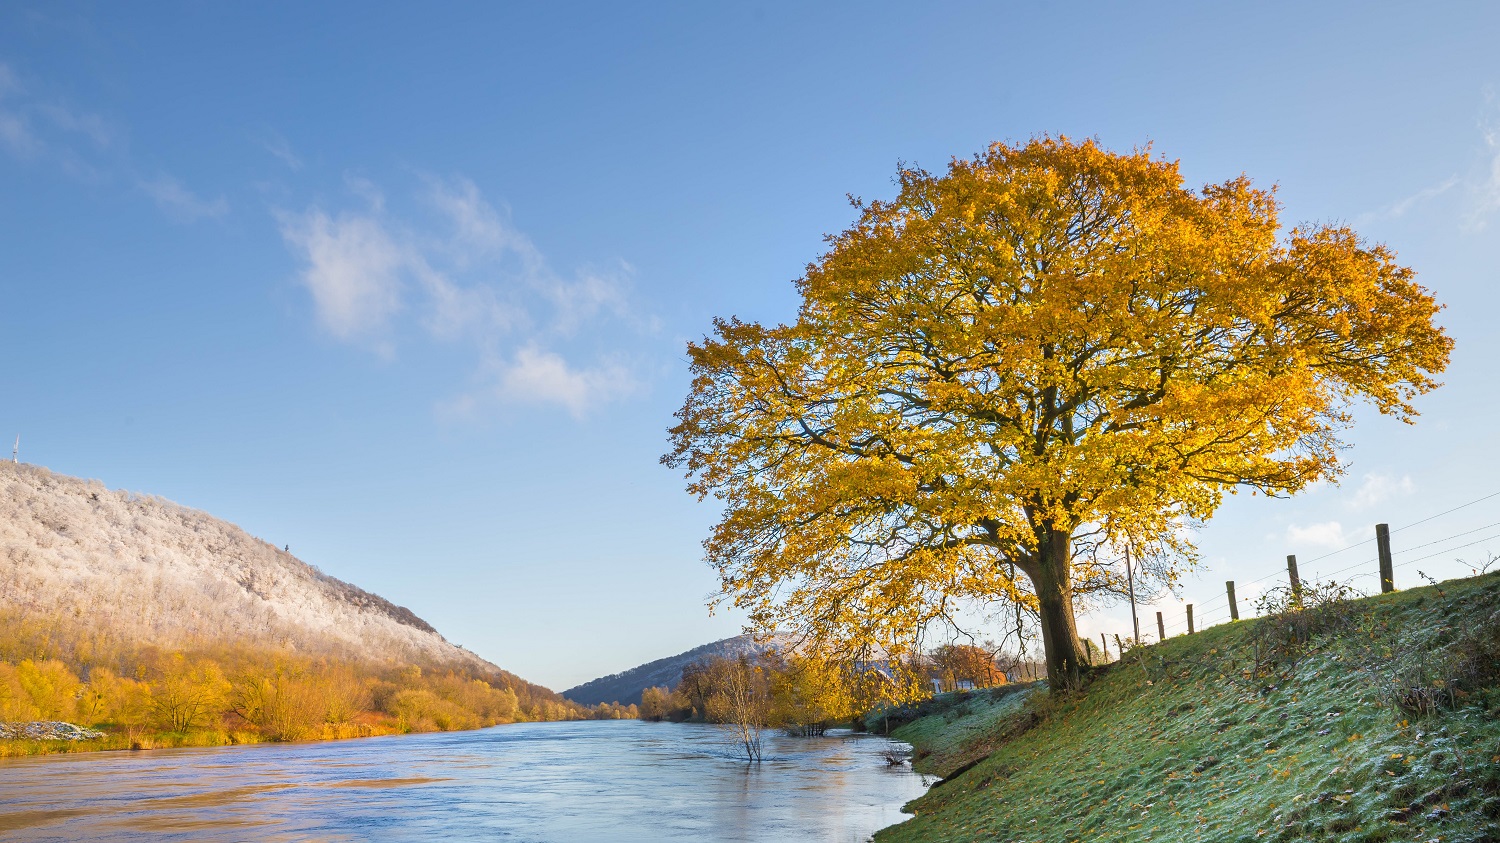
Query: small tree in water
[741, 702]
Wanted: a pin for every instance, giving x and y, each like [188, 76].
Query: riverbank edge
[115, 740]
[1175, 743]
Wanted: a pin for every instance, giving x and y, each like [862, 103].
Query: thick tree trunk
[1052, 580]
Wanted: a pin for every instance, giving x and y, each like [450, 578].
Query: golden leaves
[1047, 336]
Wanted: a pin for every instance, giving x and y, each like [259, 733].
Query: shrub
[1295, 618]
[420, 710]
[51, 687]
[187, 694]
[1423, 679]
[284, 706]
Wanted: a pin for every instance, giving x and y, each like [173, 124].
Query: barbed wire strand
[1210, 612]
[1274, 574]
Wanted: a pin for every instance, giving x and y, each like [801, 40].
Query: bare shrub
[1295, 618]
[1423, 680]
[187, 693]
[895, 756]
[741, 703]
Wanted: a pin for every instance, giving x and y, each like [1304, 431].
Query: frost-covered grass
[119, 739]
[1182, 742]
[966, 727]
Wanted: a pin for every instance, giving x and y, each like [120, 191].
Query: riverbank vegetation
[804, 695]
[801, 694]
[1328, 719]
[148, 697]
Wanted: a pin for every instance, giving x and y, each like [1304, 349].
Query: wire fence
[1216, 610]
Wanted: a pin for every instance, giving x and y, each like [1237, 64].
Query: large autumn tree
[1047, 352]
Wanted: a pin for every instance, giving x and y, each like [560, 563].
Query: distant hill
[625, 688]
[140, 570]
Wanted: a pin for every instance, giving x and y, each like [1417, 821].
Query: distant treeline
[213, 694]
[805, 694]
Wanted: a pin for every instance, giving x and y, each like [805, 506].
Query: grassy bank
[1372, 720]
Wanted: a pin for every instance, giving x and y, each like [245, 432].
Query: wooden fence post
[1190, 618]
[1234, 608]
[1104, 645]
[1291, 574]
[1387, 570]
[1161, 628]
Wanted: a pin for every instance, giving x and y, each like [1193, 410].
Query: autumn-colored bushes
[800, 694]
[216, 695]
[805, 693]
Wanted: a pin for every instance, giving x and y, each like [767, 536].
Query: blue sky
[407, 288]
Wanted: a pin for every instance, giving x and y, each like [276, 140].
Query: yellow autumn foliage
[1019, 366]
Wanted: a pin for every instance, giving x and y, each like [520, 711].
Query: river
[576, 782]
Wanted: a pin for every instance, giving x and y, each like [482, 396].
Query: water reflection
[616, 781]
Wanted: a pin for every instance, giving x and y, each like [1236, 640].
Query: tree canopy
[1020, 364]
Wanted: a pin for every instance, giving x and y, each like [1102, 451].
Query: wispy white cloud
[471, 278]
[38, 126]
[22, 114]
[180, 203]
[536, 376]
[353, 269]
[1474, 194]
[587, 296]
[1487, 188]
[1379, 488]
[1400, 207]
[281, 150]
[478, 230]
[1329, 534]
[9, 84]
[456, 311]
[15, 129]
[367, 190]
[92, 126]
[16, 134]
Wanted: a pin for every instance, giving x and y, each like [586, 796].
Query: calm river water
[604, 781]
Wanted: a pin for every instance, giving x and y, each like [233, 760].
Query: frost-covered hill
[138, 569]
[625, 688]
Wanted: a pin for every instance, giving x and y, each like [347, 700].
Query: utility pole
[1135, 622]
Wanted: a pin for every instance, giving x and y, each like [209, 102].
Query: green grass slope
[1371, 720]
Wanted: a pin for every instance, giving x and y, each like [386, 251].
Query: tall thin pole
[1135, 622]
[15, 453]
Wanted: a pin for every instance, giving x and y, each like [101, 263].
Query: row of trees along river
[213, 695]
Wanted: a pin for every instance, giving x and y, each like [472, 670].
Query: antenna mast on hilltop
[15, 453]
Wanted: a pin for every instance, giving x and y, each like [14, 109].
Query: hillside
[625, 687]
[1368, 720]
[139, 570]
